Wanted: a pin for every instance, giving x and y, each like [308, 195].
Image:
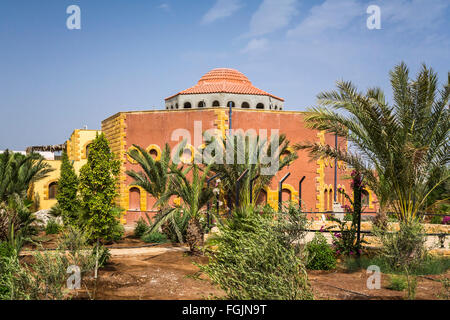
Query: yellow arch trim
[192, 149]
[83, 149]
[130, 159]
[143, 197]
[156, 148]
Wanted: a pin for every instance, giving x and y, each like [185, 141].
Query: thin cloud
[256, 45]
[272, 15]
[414, 15]
[331, 14]
[221, 9]
[164, 6]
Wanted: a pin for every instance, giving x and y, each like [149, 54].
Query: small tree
[98, 179]
[67, 190]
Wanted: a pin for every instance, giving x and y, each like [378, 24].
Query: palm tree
[155, 175]
[18, 172]
[250, 149]
[400, 149]
[194, 195]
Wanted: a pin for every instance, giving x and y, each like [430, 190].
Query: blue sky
[131, 54]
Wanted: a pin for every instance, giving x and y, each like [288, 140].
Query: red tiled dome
[224, 75]
[223, 80]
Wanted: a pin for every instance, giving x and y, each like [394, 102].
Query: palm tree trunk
[194, 236]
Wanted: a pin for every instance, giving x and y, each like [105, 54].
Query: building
[204, 107]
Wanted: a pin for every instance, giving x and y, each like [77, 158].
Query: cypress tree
[67, 190]
[98, 181]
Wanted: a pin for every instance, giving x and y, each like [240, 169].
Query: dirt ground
[171, 275]
[140, 271]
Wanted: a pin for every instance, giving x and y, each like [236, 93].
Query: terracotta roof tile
[225, 81]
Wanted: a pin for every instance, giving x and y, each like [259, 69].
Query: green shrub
[405, 248]
[6, 250]
[103, 255]
[429, 266]
[46, 277]
[118, 232]
[175, 229]
[154, 237]
[253, 262]
[140, 228]
[52, 227]
[397, 283]
[320, 255]
[437, 219]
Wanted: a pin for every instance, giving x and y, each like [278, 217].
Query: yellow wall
[76, 150]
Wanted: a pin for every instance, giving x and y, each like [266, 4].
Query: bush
[6, 250]
[178, 222]
[397, 283]
[404, 249]
[52, 227]
[430, 265]
[154, 237]
[436, 219]
[320, 255]
[140, 228]
[118, 232]
[46, 278]
[254, 263]
[103, 255]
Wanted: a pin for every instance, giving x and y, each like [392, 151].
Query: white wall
[223, 99]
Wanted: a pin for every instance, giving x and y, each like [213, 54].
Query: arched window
[176, 106]
[52, 190]
[260, 106]
[325, 200]
[171, 107]
[276, 107]
[187, 105]
[286, 195]
[365, 198]
[232, 104]
[331, 200]
[87, 150]
[216, 103]
[245, 105]
[262, 198]
[153, 153]
[135, 199]
[201, 104]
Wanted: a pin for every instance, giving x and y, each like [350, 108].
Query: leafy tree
[98, 179]
[256, 261]
[194, 195]
[399, 149]
[18, 172]
[248, 153]
[67, 190]
[154, 176]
